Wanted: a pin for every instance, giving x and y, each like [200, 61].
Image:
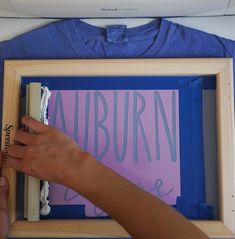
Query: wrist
[78, 175]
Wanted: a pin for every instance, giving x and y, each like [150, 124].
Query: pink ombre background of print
[143, 172]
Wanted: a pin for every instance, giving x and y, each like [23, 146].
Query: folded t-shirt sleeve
[189, 42]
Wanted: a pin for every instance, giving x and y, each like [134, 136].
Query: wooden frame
[223, 70]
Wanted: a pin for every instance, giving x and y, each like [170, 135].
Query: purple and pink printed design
[134, 132]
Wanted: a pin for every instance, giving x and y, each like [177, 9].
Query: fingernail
[2, 181]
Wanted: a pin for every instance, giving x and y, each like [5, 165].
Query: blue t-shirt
[74, 39]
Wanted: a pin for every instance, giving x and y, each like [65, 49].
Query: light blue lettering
[75, 127]
[156, 189]
[87, 112]
[120, 156]
[98, 212]
[100, 124]
[58, 106]
[171, 139]
[138, 124]
[68, 198]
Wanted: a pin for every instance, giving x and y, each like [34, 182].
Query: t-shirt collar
[75, 27]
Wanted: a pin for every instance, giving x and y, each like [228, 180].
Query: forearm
[50, 155]
[140, 213]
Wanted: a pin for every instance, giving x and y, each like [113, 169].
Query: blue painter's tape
[118, 83]
[192, 202]
[193, 193]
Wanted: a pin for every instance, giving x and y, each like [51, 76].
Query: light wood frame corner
[221, 68]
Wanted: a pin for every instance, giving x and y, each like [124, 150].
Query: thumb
[3, 195]
[4, 221]
[4, 190]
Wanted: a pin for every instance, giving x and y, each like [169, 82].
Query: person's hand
[49, 154]
[4, 222]
[46, 154]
